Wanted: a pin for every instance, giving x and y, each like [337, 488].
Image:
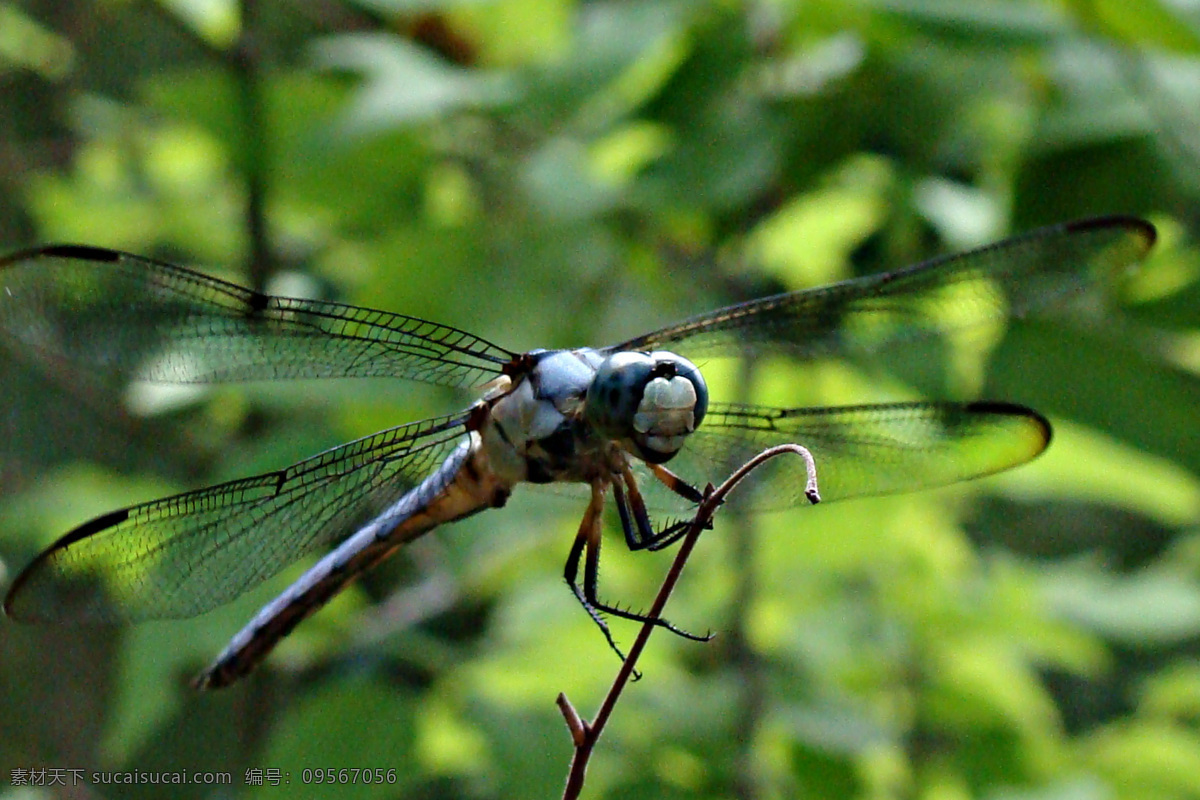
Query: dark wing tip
[78, 251]
[1145, 229]
[92, 526]
[83, 251]
[101, 523]
[1002, 407]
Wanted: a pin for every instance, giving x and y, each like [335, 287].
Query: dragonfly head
[648, 401]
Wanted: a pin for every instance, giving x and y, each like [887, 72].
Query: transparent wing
[132, 318]
[186, 554]
[870, 314]
[859, 450]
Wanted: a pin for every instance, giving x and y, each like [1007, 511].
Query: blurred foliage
[552, 173]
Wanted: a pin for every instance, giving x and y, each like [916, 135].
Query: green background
[549, 174]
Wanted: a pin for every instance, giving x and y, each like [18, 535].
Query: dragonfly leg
[672, 534]
[648, 538]
[589, 547]
[635, 521]
[677, 484]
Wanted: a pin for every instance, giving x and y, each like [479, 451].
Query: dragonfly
[632, 420]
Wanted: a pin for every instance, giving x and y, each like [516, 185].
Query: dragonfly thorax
[573, 415]
[649, 402]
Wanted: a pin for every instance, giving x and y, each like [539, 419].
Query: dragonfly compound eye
[650, 400]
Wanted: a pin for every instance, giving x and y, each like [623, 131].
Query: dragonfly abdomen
[463, 485]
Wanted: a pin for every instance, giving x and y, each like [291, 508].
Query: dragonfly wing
[861, 450]
[867, 315]
[183, 555]
[133, 318]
